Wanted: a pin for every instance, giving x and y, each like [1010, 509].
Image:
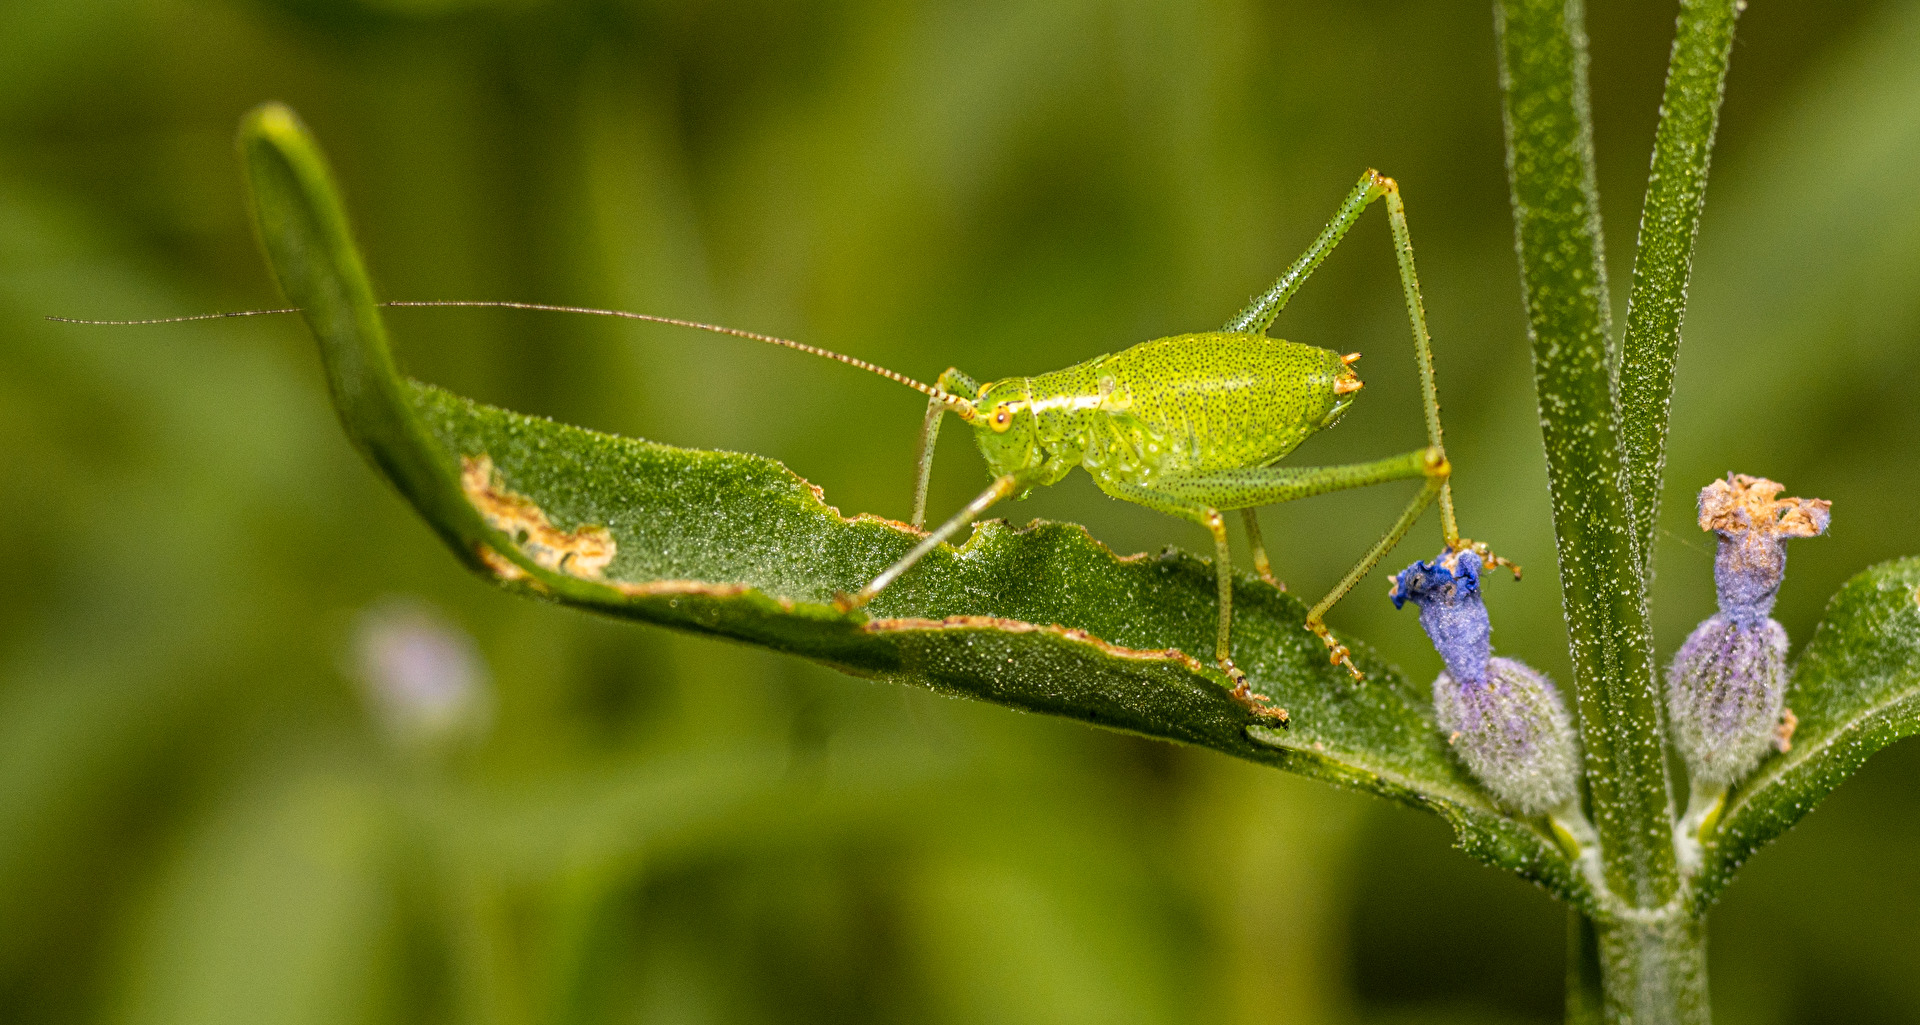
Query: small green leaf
[1663, 261]
[1856, 690]
[1043, 618]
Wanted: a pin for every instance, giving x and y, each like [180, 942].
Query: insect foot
[1255, 702]
[1337, 653]
[1726, 689]
[1503, 719]
[1488, 560]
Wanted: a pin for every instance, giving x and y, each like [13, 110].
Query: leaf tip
[273, 125]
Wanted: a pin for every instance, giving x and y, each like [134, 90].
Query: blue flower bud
[1451, 611]
[1726, 689]
[1504, 720]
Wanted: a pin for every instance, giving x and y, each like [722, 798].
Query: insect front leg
[923, 460]
[1001, 488]
[955, 383]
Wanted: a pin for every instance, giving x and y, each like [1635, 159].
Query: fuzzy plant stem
[1651, 953]
[1557, 221]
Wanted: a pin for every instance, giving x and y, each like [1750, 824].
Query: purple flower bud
[1726, 689]
[1451, 611]
[1514, 734]
[1504, 720]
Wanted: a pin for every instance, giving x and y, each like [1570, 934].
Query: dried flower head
[1726, 690]
[1753, 524]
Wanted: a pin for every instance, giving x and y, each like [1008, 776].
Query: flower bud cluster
[1504, 720]
[1726, 689]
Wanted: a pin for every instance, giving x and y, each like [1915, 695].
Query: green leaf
[1663, 260]
[1856, 690]
[1043, 618]
[1556, 211]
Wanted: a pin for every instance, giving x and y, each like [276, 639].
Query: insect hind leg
[1423, 354]
[1316, 616]
[1260, 313]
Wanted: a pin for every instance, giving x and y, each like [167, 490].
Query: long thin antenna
[174, 320]
[959, 403]
[926, 389]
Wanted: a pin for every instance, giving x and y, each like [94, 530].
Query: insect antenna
[173, 320]
[959, 404]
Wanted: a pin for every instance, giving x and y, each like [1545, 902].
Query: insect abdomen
[1223, 400]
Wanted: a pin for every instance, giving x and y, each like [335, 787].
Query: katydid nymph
[1192, 425]
[1189, 425]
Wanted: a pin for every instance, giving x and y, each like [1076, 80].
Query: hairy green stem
[1644, 971]
[1655, 971]
[1669, 222]
[1557, 222]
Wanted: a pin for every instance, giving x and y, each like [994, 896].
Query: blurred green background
[267, 755]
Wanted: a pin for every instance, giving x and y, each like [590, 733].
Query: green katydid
[1191, 426]
[1188, 425]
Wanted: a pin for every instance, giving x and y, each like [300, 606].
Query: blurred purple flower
[423, 676]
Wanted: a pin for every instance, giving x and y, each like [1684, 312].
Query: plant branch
[1585, 1001]
[1669, 222]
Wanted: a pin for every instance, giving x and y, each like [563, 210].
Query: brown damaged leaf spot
[1258, 704]
[699, 588]
[1020, 626]
[506, 570]
[584, 553]
[867, 517]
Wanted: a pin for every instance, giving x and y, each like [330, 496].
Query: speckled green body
[1195, 403]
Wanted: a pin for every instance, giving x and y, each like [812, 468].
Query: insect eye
[1002, 416]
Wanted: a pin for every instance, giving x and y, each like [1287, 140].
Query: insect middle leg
[1261, 564]
[1201, 497]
